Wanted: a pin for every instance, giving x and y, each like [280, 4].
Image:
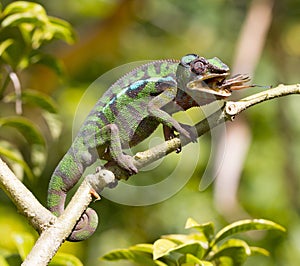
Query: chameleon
[129, 111]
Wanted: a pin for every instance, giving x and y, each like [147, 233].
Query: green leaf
[5, 44]
[14, 53]
[39, 35]
[171, 250]
[34, 138]
[160, 263]
[20, 18]
[5, 252]
[162, 247]
[225, 261]
[35, 25]
[14, 156]
[3, 261]
[14, 12]
[25, 127]
[194, 248]
[61, 30]
[62, 259]
[181, 238]
[22, 6]
[259, 251]
[148, 248]
[244, 226]
[191, 223]
[206, 228]
[236, 249]
[24, 243]
[192, 260]
[131, 255]
[35, 98]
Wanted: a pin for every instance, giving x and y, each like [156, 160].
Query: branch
[51, 238]
[38, 216]
[229, 110]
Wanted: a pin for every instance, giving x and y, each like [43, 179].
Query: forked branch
[53, 236]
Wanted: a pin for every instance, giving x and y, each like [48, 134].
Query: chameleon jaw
[218, 85]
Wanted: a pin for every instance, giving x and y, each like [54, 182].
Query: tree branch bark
[229, 111]
[38, 216]
[51, 239]
[56, 230]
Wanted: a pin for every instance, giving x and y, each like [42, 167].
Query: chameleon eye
[187, 59]
[198, 67]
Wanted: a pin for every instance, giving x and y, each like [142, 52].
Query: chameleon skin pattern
[128, 112]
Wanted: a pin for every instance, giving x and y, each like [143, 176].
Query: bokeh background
[258, 174]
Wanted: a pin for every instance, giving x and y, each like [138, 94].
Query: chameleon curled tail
[65, 176]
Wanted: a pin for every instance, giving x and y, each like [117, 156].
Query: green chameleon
[129, 111]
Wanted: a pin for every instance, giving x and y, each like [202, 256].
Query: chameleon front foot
[126, 162]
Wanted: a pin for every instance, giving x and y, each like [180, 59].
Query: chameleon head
[195, 73]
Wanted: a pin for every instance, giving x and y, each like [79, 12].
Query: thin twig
[17, 87]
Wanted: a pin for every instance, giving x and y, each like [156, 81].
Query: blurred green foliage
[202, 248]
[25, 28]
[113, 32]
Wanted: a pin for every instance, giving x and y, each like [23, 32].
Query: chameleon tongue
[237, 82]
[218, 85]
[221, 92]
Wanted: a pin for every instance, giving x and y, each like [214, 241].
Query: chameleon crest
[129, 111]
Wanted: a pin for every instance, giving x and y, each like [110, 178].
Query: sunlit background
[258, 174]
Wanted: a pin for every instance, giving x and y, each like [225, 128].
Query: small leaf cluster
[25, 28]
[23, 243]
[205, 248]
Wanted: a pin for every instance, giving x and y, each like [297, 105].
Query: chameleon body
[128, 112]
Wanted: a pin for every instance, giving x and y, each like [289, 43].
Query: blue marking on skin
[136, 85]
[131, 87]
[167, 79]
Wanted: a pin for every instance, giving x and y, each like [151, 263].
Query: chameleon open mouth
[216, 83]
